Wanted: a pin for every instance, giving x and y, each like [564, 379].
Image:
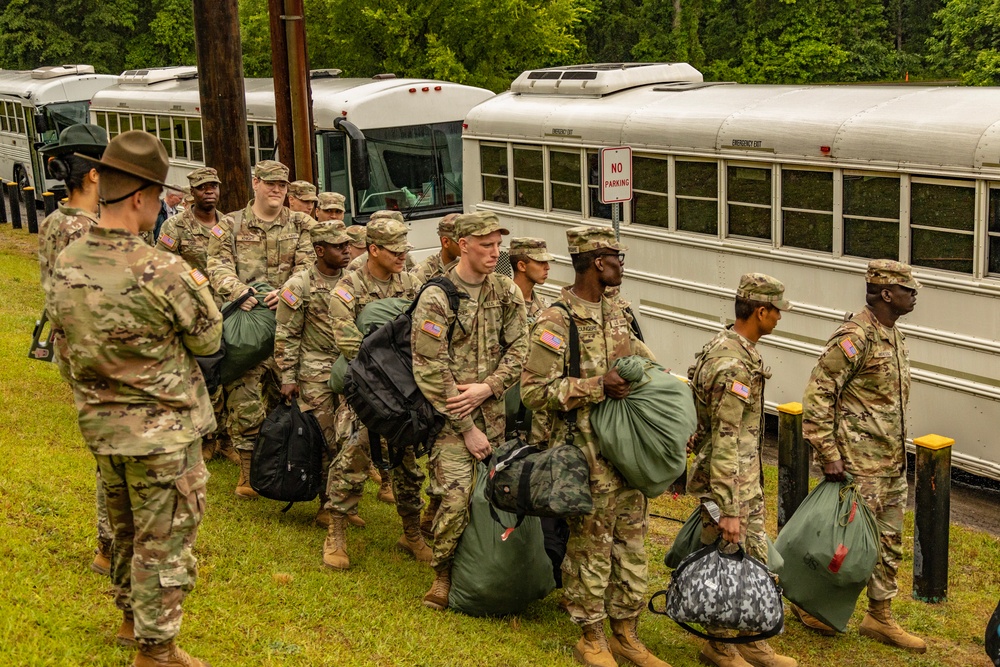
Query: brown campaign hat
[203, 175]
[762, 287]
[138, 154]
[584, 239]
[891, 272]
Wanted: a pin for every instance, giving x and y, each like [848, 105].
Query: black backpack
[380, 387]
[287, 459]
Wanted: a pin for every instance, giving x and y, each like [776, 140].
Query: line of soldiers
[129, 319]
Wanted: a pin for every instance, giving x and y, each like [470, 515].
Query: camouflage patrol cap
[764, 288]
[303, 190]
[387, 233]
[890, 272]
[446, 226]
[332, 201]
[329, 232]
[532, 248]
[203, 175]
[358, 235]
[585, 239]
[270, 170]
[479, 223]
[387, 215]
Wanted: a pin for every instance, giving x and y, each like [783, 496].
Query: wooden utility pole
[223, 98]
[279, 71]
[292, 99]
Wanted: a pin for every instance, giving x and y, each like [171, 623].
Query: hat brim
[490, 230]
[130, 169]
[782, 304]
[398, 247]
[339, 209]
[541, 256]
[199, 183]
[58, 150]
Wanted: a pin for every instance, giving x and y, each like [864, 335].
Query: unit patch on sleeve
[168, 241]
[848, 347]
[551, 340]
[432, 328]
[217, 232]
[740, 390]
[289, 297]
[344, 295]
[198, 277]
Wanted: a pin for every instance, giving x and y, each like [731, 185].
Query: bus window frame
[836, 212]
[970, 183]
[769, 168]
[549, 182]
[903, 245]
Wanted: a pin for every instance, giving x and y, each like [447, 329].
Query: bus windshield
[413, 168]
[63, 114]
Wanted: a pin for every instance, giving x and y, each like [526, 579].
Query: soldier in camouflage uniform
[359, 242]
[360, 260]
[304, 345]
[463, 363]
[605, 571]
[854, 416]
[438, 263]
[133, 318]
[302, 197]
[60, 228]
[263, 243]
[727, 380]
[330, 207]
[381, 277]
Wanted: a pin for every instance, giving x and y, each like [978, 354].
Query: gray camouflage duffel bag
[718, 590]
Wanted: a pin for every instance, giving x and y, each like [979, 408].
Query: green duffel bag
[528, 481]
[371, 317]
[248, 334]
[830, 549]
[645, 434]
[688, 541]
[496, 572]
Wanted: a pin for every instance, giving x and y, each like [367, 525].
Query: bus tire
[21, 178]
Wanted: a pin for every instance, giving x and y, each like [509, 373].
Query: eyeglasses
[395, 254]
[619, 255]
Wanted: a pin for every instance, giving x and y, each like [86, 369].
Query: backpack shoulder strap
[573, 369]
[237, 217]
[454, 300]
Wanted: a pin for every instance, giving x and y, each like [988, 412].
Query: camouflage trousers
[605, 571]
[349, 470]
[453, 470]
[104, 533]
[248, 400]
[318, 398]
[753, 535]
[886, 498]
[155, 504]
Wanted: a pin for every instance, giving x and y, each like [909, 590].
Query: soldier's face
[537, 272]
[325, 215]
[206, 195]
[270, 193]
[610, 269]
[482, 252]
[299, 206]
[902, 300]
[393, 262]
[769, 317]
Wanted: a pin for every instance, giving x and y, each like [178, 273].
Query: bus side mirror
[41, 123]
[360, 178]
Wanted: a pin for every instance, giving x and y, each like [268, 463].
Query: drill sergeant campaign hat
[303, 190]
[358, 236]
[532, 248]
[270, 170]
[585, 239]
[890, 272]
[763, 288]
[388, 233]
[446, 226]
[137, 154]
[479, 223]
[80, 138]
[332, 201]
[329, 232]
[387, 215]
[203, 175]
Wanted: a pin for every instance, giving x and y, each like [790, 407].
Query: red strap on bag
[838, 557]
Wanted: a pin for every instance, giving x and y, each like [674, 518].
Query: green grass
[54, 611]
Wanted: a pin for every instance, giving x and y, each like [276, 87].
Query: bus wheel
[21, 178]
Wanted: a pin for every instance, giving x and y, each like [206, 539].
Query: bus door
[34, 143]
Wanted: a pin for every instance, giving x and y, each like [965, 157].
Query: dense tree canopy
[489, 42]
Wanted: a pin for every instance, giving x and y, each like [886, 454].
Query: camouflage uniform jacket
[855, 403]
[268, 252]
[545, 385]
[133, 317]
[304, 346]
[355, 291]
[727, 380]
[58, 230]
[535, 306]
[488, 343]
[183, 235]
[432, 267]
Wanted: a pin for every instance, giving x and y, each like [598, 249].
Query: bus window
[650, 204]
[942, 219]
[125, 123]
[529, 189]
[807, 209]
[165, 134]
[180, 140]
[333, 146]
[493, 169]
[564, 174]
[265, 141]
[19, 118]
[102, 120]
[194, 137]
[597, 209]
[252, 142]
[150, 125]
[871, 216]
[4, 127]
[749, 194]
[697, 196]
[63, 114]
[993, 231]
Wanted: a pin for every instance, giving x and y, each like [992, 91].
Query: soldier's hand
[729, 526]
[249, 304]
[289, 392]
[477, 443]
[834, 471]
[615, 386]
[470, 397]
[271, 299]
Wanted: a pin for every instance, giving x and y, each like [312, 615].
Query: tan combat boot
[721, 655]
[225, 447]
[126, 633]
[760, 654]
[374, 475]
[427, 519]
[335, 545]
[243, 488]
[812, 622]
[878, 624]
[626, 646]
[592, 649]
[437, 597]
[165, 655]
[102, 559]
[385, 493]
[412, 541]
[355, 520]
[208, 448]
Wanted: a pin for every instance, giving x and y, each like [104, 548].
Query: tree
[967, 42]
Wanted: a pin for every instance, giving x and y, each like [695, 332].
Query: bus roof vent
[145, 77]
[384, 76]
[324, 73]
[602, 78]
[55, 71]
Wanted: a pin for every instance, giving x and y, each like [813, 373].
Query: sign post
[616, 182]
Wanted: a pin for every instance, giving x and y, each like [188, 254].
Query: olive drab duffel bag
[371, 318]
[248, 335]
[688, 541]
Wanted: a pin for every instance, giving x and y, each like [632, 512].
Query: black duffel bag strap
[574, 367]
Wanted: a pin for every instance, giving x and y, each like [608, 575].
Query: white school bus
[805, 183]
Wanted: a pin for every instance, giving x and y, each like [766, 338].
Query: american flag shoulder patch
[740, 389]
[288, 296]
[848, 347]
[344, 295]
[551, 340]
[432, 328]
[217, 232]
[168, 241]
[198, 277]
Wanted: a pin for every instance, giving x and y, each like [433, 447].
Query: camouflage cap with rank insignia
[387, 215]
[270, 170]
[358, 235]
[763, 288]
[328, 232]
[387, 233]
[303, 190]
[332, 201]
[890, 272]
[585, 239]
[203, 175]
[479, 223]
[532, 248]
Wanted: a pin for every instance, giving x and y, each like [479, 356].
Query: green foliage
[967, 42]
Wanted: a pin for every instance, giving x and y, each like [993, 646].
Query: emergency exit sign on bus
[616, 175]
